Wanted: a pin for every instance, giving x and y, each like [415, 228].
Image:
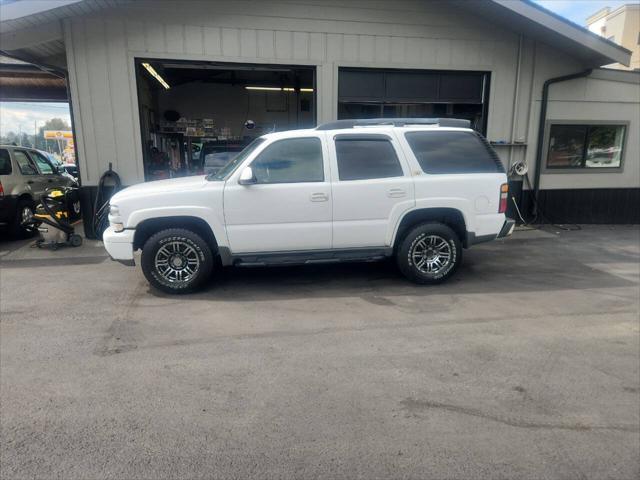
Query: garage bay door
[371, 93]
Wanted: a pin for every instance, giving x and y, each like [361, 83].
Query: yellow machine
[52, 219]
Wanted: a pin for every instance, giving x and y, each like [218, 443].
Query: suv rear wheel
[176, 260]
[430, 253]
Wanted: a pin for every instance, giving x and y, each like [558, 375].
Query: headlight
[114, 218]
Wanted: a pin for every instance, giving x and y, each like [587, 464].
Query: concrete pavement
[526, 365]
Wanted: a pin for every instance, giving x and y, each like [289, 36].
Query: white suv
[350, 190]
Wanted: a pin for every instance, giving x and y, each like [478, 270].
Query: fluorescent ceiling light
[156, 75]
[279, 89]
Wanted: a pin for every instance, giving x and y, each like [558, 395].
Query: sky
[22, 115]
[15, 116]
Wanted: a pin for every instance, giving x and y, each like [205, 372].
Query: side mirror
[247, 177]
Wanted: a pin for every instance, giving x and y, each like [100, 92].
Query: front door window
[296, 160]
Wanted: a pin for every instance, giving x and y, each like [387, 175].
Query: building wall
[631, 35]
[600, 97]
[598, 26]
[622, 26]
[327, 34]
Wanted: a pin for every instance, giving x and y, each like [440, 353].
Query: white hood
[181, 184]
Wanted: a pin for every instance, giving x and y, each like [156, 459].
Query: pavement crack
[122, 335]
[415, 407]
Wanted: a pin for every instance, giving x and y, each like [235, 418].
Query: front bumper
[507, 228]
[119, 245]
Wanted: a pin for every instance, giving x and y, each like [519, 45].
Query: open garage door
[378, 93]
[195, 116]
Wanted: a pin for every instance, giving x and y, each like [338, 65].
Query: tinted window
[25, 164]
[290, 161]
[218, 159]
[453, 152]
[213, 162]
[43, 164]
[362, 158]
[5, 162]
[237, 160]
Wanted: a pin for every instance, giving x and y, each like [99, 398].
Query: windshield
[229, 168]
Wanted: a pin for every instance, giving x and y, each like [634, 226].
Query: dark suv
[25, 174]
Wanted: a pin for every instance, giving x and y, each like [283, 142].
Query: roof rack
[395, 122]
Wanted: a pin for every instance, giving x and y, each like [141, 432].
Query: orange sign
[58, 134]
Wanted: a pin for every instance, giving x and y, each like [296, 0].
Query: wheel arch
[25, 196]
[146, 228]
[452, 217]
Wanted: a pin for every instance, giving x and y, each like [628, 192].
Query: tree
[52, 124]
[38, 141]
[13, 138]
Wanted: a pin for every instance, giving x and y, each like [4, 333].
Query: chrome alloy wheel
[26, 214]
[431, 254]
[177, 261]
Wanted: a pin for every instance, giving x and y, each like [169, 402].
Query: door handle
[396, 193]
[30, 182]
[50, 181]
[319, 197]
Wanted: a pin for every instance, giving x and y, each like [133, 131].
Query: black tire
[429, 243]
[75, 240]
[194, 247]
[16, 228]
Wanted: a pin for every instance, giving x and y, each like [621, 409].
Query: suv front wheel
[430, 253]
[24, 213]
[176, 260]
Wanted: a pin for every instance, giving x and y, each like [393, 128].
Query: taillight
[1, 190]
[504, 194]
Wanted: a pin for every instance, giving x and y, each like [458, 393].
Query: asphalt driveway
[525, 365]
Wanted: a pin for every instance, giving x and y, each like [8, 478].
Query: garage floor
[526, 365]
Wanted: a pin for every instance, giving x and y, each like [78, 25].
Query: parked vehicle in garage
[70, 169]
[419, 190]
[213, 162]
[25, 174]
[214, 156]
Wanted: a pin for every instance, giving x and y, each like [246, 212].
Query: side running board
[311, 257]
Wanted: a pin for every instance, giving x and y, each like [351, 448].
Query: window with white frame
[579, 146]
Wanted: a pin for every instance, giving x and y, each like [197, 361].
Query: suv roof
[371, 125]
[395, 122]
[17, 146]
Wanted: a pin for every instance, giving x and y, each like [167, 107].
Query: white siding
[328, 34]
[591, 100]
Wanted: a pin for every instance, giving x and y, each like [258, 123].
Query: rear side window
[5, 162]
[25, 164]
[365, 158]
[453, 152]
[295, 160]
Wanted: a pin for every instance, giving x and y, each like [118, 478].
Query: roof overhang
[15, 10]
[22, 82]
[38, 35]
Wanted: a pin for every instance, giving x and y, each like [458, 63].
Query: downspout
[516, 97]
[541, 128]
